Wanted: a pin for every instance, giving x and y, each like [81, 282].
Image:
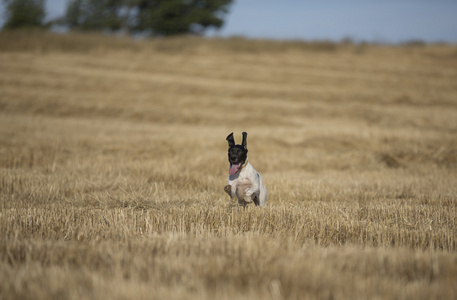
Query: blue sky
[369, 20]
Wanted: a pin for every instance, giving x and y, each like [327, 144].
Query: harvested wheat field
[113, 162]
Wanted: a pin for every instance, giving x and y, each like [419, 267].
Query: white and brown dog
[244, 181]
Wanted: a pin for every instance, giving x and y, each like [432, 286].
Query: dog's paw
[228, 189]
[248, 198]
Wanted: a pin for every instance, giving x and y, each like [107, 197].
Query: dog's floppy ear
[245, 135]
[230, 140]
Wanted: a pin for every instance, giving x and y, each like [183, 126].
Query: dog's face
[237, 154]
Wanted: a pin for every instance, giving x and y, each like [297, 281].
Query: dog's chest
[242, 185]
[243, 182]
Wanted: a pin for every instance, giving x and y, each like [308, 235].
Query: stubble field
[113, 161]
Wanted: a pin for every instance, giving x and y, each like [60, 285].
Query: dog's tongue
[234, 168]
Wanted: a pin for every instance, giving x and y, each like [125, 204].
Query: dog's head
[237, 154]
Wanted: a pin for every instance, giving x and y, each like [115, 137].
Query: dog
[244, 181]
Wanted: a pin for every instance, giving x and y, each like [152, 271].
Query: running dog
[244, 181]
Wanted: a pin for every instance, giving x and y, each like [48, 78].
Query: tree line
[150, 17]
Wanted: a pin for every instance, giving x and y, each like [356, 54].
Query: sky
[388, 21]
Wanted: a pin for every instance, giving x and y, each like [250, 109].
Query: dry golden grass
[113, 163]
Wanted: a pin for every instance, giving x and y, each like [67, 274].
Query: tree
[93, 14]
[156, 17]
[24, 13]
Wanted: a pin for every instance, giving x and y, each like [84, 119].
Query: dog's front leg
[253, 190]
[230, 190]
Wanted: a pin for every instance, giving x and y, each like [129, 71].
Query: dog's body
[244, 181]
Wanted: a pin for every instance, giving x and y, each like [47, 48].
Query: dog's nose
[232, 157]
